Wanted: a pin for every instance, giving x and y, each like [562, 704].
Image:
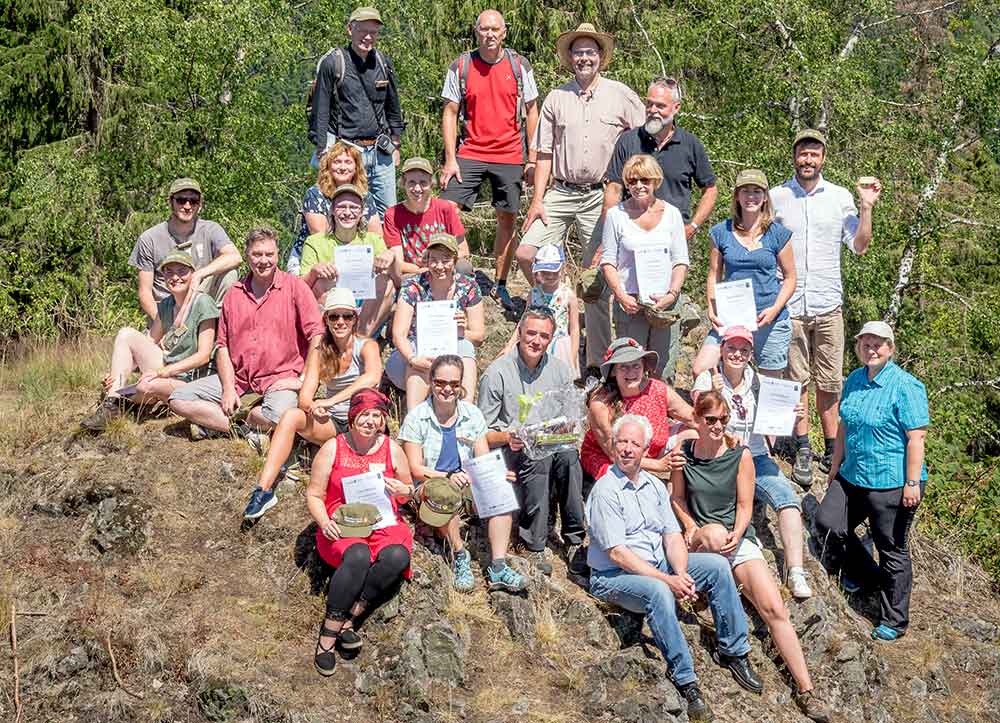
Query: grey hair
[503, 22]
[670, 84]
[642, 422]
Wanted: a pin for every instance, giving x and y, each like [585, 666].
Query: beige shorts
[816, 353]
[748, 550]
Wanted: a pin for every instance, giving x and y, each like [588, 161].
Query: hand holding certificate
[491, 491]
[370, 488]
[652, 272]
[354, 268]
[735, 304]
[776, 404]
[437, 330]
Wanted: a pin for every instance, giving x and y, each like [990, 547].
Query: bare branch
[649, 40]
[895, 104]
[18, 704]
[945, 289]
[991, 383]
[852, 40]
[786, 37]
[928, 11]
[114, 669]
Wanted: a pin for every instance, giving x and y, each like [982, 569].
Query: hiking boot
[260, 502]
[739, 666]
[539, 561]
[502, 297]
[826, 461]
[812, 707]
[802, 473]
[507, 579]
[697, 707]
[797, 583]
[462, 570]
[109, 409]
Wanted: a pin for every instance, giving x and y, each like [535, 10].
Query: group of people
[662, 490]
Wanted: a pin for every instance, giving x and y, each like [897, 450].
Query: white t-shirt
[741, 427]
[622, 236]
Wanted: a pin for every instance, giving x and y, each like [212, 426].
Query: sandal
[325, 659]
[349, 638]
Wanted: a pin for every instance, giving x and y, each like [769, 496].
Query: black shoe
[325, 659]
[538, 561]
[697, 707]
[825, 462]
[484, 282]
[739, 666]
[802, 473]
[349, 639]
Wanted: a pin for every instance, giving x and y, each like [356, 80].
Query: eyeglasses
[741, 411]
[346, 316]
[187, 200]
[589, 53]
[738, 351]
[350, 208]
[713, 420]
[633, 181]
[179, 272]
[446, 384]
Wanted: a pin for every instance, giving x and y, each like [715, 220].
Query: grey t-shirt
[204, 244]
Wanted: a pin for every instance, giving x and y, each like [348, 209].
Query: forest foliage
[106, 101]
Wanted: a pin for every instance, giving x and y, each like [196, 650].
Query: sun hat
[176, 257]
[416, 164]
[356, 519]
[737, 331]
[751, 177]
[878, 328]
[548, 258]
[365, 13]
[809, 134]
[624, 350]
[440, 500]
[585, 30]
[445, 240]
[184, 184]
[339, 298]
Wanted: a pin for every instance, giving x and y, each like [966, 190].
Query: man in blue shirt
[639, 561]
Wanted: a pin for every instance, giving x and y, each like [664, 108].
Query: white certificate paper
[735, 304]
[369, 487]
[354, 269]
[652, 272]
[776, 406]
[437, 330]
[491, 491]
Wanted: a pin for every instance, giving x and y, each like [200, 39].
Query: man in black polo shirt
[683, 160]
[357, 101]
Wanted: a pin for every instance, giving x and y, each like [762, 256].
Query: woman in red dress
[629, 388]
[367, 571]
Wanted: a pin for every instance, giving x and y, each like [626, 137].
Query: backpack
[340, 63]
[465, 64]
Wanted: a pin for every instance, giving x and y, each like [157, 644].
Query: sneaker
[348, 639]
[826, 461]
[697, 707]
[802, 473]
[462, 570]
[260, 502]
[797, 583]
[812, 707]
[538, 561]
[508, 579]
[884, 632]
[109, 409]
[502, 296]
[739, 666]
[849, 585]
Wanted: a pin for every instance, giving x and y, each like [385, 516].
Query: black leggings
[358, 581]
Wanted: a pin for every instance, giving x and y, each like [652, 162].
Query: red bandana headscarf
[365, 399]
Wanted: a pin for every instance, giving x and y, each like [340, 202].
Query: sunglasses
[741, 411]
[187, 200]
[713, 420]
[445, 384]
[345, 316]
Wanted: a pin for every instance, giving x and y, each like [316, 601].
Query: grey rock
[977, 629]
[444, 653]
[629, 663]
[596, 696]
[587, 622]
[119, 525]
[937, 680]
[388, 611]
[520, 707]
[917, 688]
[627, 626]
[227, 472]
[367, 683]
[517, 613]
[77, 661]
[670, 699]
[852, 677]
[848, 651]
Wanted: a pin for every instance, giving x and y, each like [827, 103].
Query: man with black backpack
[355, 99]
[492, 91]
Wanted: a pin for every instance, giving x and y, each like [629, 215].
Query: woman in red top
[367, 571]
[629, 388]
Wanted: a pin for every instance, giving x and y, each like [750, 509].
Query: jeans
[641, 594]
[562, 471]
[772, 486]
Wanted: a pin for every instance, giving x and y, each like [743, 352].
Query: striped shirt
[876, 415]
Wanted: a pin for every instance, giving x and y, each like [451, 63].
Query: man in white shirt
[821, 216]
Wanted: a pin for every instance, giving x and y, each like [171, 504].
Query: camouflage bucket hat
[356, 519]
[440, 500]
[660, 318]
[591, 285]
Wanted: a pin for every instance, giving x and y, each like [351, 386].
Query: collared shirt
[508, 378]
[580, 129]
[740, 427]
[820, 221]
[421, 427]
[876, 416]
[683, 160]
[365, 104]
[204, 244]
[621, 512]
[268, 338]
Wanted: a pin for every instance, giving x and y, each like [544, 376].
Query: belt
[578, 187]
[361, 141]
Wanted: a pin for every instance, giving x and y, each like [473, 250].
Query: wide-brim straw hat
[585, 30]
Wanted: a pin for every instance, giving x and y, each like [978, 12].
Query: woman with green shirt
[318, 267]
[169, 356]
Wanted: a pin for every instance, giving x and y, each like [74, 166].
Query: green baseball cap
[444, 240]
[184, 184]
[416, 164]
[440, 500]
[347, 188]
[751, 177]
[176, 257]
[356, 519]
[809, 134]
[365, 13]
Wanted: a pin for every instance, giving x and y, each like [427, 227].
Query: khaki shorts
[816, 353]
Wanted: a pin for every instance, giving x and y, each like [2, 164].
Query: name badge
[381, 84]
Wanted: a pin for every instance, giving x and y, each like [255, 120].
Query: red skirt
[398, 534]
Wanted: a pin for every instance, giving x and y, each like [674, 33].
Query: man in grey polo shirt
[524, 372]
[639, 561]
[822, 217]
[216, 258]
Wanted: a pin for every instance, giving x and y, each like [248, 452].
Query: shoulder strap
[516, 66]
[340, 63]
[380, 62]
[464, 65]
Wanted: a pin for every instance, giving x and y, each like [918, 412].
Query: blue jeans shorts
[772, 486]
[770, 344]
[395, 367]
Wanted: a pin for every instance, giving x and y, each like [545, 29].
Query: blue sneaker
[884, 632]
[260, 502]
[462, 570]
[508, 579]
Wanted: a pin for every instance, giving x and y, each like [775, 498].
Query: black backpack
[340, 62]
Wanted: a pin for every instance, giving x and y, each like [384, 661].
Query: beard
[654, 124]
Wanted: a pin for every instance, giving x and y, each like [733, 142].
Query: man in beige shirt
[577, 129]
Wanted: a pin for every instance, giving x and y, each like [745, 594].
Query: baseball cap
[809, 134]
[737, 332]
[548, 258]
[339, 298]
[184, 184]
[176, 257]
[751, 177]
[365, 13]
[416, 164]
[440, 500]
[878, 328]
[347, 188]
[356, 519]
[445, 240]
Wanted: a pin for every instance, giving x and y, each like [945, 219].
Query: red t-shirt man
[403, 227]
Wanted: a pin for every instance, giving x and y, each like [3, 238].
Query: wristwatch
[912, 483]
[695, 226]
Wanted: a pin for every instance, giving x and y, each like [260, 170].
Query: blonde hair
[642, 165]
[325, 179]
[766, 212]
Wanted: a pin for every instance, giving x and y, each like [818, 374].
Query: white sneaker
[797, 585]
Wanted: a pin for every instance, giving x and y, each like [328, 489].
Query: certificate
[735, 304]
[776, 402]
[354, 269]
[491, 491]
[437, 330]
[653, 268]
[369, 487]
